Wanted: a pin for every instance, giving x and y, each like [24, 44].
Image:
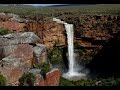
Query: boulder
[52, 78]
[19, 38]
[40, 53]
[17, 54]
[18, 62]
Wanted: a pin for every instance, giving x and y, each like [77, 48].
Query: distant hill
[70, 5]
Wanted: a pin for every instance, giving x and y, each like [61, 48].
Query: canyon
[93, 33]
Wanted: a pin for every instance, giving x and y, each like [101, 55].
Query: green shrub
[44, 69]
[55, 55]
[65, 82]
[37, 66]
[112, 81]
[4, 31]
[88, 82]
[2, 80]
[27, 79]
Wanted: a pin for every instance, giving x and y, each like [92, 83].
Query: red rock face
[13, 25]
[49, 32]
[22, 58]
[18, 72]
[23, 51]
[52, 79]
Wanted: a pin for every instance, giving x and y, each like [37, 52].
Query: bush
[4, 31]
[27, 79]
[2, 80]
[44, 69]
[37, 66]
[88, 82]
[65, 82]
[55, 55]
[110, 82]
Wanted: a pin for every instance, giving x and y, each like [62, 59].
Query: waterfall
[69, 31]
[72, 74]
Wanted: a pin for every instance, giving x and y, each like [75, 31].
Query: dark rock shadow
[65, 60]
[106, 62]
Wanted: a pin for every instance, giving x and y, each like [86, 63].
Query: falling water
[69, 30]
[72, 74]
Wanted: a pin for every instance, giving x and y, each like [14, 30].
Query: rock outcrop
[52, 78]
[48, 31]
[18, 53]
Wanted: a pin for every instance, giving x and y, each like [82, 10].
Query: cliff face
[49, 32]
[94, 32]
[90, 31]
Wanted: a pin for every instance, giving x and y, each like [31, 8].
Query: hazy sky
[43, 4]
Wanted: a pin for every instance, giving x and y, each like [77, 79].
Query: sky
[43, 4]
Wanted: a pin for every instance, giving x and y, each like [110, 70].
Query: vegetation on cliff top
[62, 11]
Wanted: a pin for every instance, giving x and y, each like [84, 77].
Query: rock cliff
[18, 53]
[91, 32]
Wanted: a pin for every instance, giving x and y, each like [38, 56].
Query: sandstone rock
[19, 38]
[40, 53]
[52, 78]
[16, 54]
[3, 17]
[19, 61]
[2, 13]
[7, 50]
[34, 71]
[13, 15]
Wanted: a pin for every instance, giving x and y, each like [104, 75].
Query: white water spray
[72, 74]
